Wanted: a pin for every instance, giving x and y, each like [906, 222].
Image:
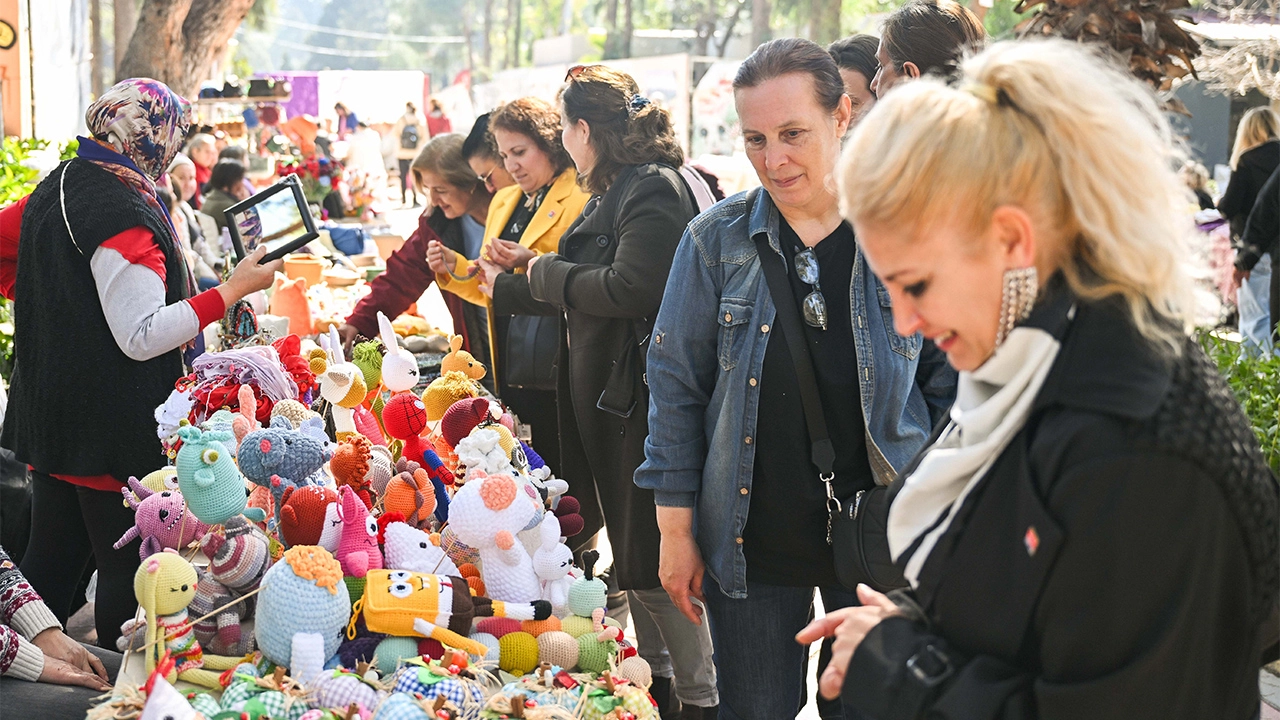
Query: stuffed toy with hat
[399, 366]
[444, 391]
[164, 585]
[212, 487]
[358, 551]
[160, 519]
[303, 516]
[350, 466]
[280, 457]
[220, 633]
[406, 547]
[302, 593]
[341, 382]
[486, 514]
[459, 360]
[238, 556]
[464, 416]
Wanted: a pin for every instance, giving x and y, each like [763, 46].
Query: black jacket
[1261, 236]
[608, 278]
[1246, 182]
[1116, 562]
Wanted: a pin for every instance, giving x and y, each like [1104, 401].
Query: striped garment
[23, 615]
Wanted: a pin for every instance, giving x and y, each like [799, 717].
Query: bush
[1256, 384]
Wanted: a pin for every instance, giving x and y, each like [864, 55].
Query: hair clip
[638, 103]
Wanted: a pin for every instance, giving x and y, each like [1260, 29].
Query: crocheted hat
[240, 556]
[302, 593]
[302, 516]
[293, 411]
[444, 391]
[463, 417]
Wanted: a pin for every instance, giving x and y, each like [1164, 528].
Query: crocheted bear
[280, 457]
[160, 519]
[358, 550]
[487, 513]
[213, 488]
[302, 593]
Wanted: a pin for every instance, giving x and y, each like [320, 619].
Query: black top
[785, 540]
[521, 216]
[78, 405]
[1246, 182]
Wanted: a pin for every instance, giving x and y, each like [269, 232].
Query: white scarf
[992, 405]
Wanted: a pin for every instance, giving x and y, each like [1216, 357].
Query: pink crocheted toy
[358, 549]
[161, 520]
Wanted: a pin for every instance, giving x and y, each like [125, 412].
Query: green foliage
[1255, 380]
[17, 180]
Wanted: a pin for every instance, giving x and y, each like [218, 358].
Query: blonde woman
[1092, 533]
[1254, 157]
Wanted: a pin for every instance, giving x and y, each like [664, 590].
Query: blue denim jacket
[704, 365]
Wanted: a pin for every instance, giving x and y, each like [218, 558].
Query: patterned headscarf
[143, 120]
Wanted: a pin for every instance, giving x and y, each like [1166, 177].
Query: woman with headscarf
[104, 306]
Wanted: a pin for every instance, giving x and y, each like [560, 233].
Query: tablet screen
[273, 222]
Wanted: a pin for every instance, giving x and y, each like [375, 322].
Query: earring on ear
[1021, 285]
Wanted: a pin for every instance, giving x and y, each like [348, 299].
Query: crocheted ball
[537, 627]
[431, 648]
[587, 595]
[302, 516]
[558, 648]
[576, 626]
[301, 593]
[462, 418]
[593, 655]
[518, 653]
[293, 411]
[637, 670]
[392, 650]
[459, 552]
[498, 627]
[355, 587]
[491, 642]
[444, 391]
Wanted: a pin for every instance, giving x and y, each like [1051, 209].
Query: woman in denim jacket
[727, 441]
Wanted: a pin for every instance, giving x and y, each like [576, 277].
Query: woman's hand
[510, 255]
[347, 333]
[57, 644]
[849, 626]
[249, 277]
[529, 268]
[441, 259]
[680, 566]
[489, 273]
[61, 672]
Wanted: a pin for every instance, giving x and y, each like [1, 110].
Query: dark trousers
[760, 668]
[69, 525]
[406, 185]
[22, 699]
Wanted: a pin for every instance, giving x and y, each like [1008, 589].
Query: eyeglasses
[815, 305]
[484, 179]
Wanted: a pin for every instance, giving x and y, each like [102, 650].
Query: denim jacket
[704, 365]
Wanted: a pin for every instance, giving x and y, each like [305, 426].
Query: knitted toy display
[160, 519]
[341, 383]
[553, 564]
[164, 585]
[459, 360]
[358, 551]
[401, 603]
[302, 593]
[487, 513]
[350, 466]
[213, 488]
[280, 457]
[399, 366]
[302, 515]
[408, 548]
[239, 556]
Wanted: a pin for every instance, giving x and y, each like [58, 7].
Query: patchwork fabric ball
[540, 694]
[401, 706]
[632, 699]
[343, 688]
[491, 642]
[418, 679]
[537, 627]
[498, 627]
[593, 655]
[204, 703]
[558, 648]
[391, 651]
[275, 704]
[577, 626]
[637, 670]
[518, 652]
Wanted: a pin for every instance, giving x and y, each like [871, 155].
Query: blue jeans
[1253, 298]
[760, 668]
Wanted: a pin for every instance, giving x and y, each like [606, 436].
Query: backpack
[409, 137]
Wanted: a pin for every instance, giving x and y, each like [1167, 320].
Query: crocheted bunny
[486, 514]
[280, 457]
[213, 488]
[553, 563]
[160, 519]
[408, 548]
[399, 366]
[341, 382]
[358, 550]
[461, 361]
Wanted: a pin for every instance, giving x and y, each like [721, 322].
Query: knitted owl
[211, 485]
[487, 513]
[280, 457]
[358, 551]
[160, 519]
[302, 593]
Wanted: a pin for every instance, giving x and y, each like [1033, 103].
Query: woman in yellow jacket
[524, 220]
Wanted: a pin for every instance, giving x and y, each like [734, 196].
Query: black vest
[78, 405]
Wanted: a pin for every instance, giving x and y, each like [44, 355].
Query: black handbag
[533, 344]
[856, 527]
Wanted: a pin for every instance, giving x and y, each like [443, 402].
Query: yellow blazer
[562, 205]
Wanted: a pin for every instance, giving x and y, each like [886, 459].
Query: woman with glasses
[457, 205]
[525, 220]
[741, 507]
[482, 156]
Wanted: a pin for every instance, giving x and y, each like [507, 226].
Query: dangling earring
[1021, 285]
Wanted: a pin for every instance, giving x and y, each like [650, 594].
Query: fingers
[832, 679]
[870, 597]
[680, 598]
[95, 664]
[696, 585]
[822, 627]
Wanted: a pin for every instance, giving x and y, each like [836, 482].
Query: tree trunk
[126, 19]
[730, 27]
[95, 47]
[761, 13]
[628, 28]
[612, 44]
[468, 16]
[178, 41]
[513, 33]
[488, 36]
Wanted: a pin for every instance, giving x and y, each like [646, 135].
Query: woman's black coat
[1116, 562]
[1251, 173]
[608, 279]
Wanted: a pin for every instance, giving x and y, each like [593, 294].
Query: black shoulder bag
[856, 527]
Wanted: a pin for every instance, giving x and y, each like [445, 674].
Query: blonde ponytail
[1058, 130]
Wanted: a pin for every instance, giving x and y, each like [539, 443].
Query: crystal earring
[1021, 285]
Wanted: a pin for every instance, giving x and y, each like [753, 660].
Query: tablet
[277, 217]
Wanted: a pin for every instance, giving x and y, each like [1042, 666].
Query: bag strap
[821, 450]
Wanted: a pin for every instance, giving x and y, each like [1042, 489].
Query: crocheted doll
[358, 550]
[239, 556]
[341, 383]
[459, 360]
[487, 513]
[213, 488]
[220, 633]
[280, 457]
[399, 366]
[302, 593]
[350, 466]
[408, 548]
[302, 517]
[160, 519]
[553, 563]
[164, 585]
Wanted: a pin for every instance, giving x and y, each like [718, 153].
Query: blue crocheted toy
[211, 485]
[280, 457]
[302, 593]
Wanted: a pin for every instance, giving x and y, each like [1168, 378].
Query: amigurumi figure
[211, 485]
[160, 519]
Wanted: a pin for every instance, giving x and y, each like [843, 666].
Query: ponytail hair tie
[638, 103]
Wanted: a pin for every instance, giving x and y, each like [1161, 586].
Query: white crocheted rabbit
[486, 514]
[399, 366]
[553, 562]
